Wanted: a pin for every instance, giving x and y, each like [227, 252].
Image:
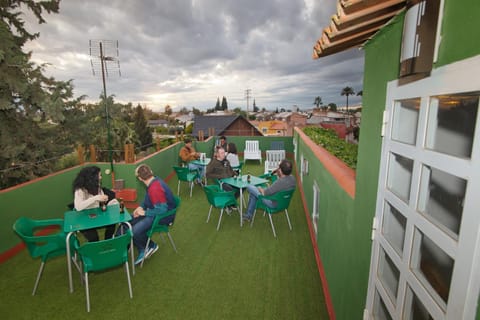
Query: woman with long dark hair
[88, 193]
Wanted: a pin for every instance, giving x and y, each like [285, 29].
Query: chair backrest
[105, 254]
[275, 156]
[218, 197]
[281, 198]
[239, 167]
[167, 218]
[277, 145]
[182, 173]
[273, 159]
[251, 146]
[40, 245]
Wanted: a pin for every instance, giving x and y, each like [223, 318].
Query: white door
[425, 260]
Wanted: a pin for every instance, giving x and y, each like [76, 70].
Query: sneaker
[228, 210]
[234, 208]
[139, 259]
[247, 219]
[151, 250]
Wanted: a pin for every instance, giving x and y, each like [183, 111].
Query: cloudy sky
[186, 53]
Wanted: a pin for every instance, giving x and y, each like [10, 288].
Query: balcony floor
[233, 273]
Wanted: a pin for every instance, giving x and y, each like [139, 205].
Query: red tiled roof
[355, 22]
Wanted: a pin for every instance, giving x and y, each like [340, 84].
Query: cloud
[189, 52]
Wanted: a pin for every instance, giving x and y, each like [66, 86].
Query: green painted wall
[335, 235]
[460, 31]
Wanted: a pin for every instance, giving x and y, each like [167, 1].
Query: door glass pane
[380, 312]
[432, 266]
[405, 120]
[441, 198]
[400, 176]
[393, 228]
[414, 308]
[451, 123]
[388, 275]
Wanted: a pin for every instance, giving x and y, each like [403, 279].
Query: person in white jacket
[88, 193]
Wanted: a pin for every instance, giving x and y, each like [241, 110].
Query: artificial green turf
[233, 273]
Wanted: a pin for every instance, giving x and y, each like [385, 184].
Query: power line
[247, 96]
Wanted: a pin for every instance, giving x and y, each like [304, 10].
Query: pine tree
[29, 101]
[217, 105]
[224, 104]
[141, 128]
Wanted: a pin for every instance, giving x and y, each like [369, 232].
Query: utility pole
[247, 96]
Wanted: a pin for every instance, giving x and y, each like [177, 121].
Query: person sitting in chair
[158, 199]
[188, 154]
[88, 193]
[284, 182]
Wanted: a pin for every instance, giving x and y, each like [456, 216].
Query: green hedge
[328, 139]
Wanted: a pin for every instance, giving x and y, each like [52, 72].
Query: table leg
[69, 261]
[241, 207]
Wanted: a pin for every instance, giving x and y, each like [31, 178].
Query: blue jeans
[252, 201]
[140, 226]
[198, 167]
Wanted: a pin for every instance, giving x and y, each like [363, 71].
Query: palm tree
[318, 101]
[347, 91]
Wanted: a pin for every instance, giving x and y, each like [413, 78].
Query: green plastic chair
[219, 199]
[282, 200]
[162, 228]
[45, 246]
[184, 174]
[238, 169]
[103, 255]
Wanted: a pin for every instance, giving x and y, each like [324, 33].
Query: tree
[184, 110]
[196, 111]
[217, 105]
[255, 108]
[347, 91]
[142, 129]
[168, 110]
[240, 112]
[224, 104]
[332, 106]
[317, 102]
[31, 104]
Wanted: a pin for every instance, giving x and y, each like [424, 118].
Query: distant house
[158, 123]
[187, 119]
[227, 125]
[272, 128]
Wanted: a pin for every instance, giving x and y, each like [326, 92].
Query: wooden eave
[355, 22]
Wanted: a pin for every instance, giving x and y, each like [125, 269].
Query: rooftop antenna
[104, 57]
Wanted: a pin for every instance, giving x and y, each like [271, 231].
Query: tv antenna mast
[104, 57]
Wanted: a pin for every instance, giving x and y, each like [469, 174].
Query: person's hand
[102, 198]
[138, 212]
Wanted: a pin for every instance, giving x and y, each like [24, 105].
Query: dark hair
[232, 148]
[88, 179]
[144, 172]
[223, 138]
[187, 140]
[286, 167]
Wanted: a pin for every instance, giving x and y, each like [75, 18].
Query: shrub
[328, 139]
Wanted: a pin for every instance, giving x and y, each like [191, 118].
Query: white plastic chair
[273, 159]
[252, 151]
